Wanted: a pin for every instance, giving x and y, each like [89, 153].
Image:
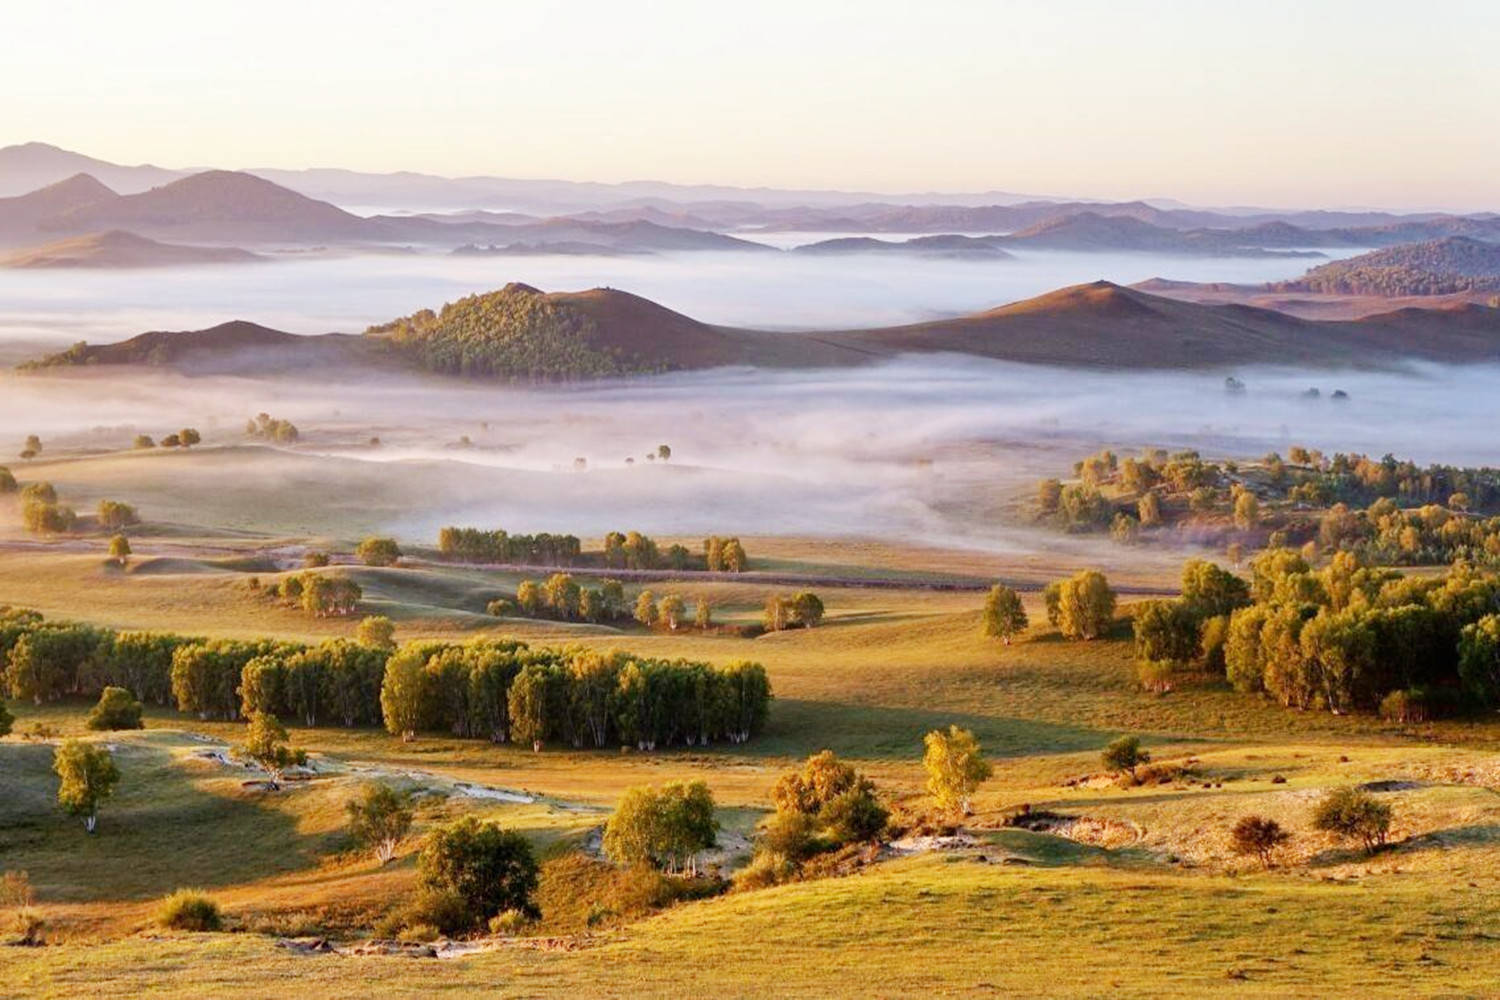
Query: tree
[666, 828]
[119, 549]
[171, 441]
[117, 709]
[1246, 510]
[490, 868]
[188, 437]
[33, 445]
[1258, 836]
[113, 515]
[703, 614]
[376, 632]
[840, 803]
[533, 704]
[1149, 510]
[142, 442]
[403, 692]
[645, 609]
[955, 768]
[6, 719]
[1479, 659]
[265, 743]
[529, 597]
[1048, 496]
[663, 452]
[1354, 814]
[378, 820]
[1085, 605]
[807, 609]
[8, 482]
[670, 610]
[87, 776]
[1004, 614]
[1166, 640]
[376, 551]
[1210, 590]
[562, 595]
[1125, 754]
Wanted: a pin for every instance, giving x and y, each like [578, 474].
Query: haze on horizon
[1299, 105]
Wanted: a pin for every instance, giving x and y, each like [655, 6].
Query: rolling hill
[1093, 232]
[948, 246]
[119, 249]
[520, 332]
[1437, 267]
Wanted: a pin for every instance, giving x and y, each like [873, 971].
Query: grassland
[1139, 896]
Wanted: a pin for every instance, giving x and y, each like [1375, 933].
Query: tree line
[1346, 637]
[496, 689]
[622, 550]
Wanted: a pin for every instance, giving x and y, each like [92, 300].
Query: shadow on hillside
[799, 727]
[162, 829]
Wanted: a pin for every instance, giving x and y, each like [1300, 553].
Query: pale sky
[1307, 103]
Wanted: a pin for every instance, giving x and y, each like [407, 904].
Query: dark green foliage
[491, 869]
[516, 332]
[1354, 814]
[117, 709]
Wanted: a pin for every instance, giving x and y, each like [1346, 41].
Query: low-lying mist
[937, 449]
[321, 293]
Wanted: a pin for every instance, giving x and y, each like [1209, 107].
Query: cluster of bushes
[321, 595]
[821, 808]
[784, 611]
[1347, 637]
[504, 690]
[516, 332]
[42, 514]
[267, 428]
[185, 438]
[478, 545]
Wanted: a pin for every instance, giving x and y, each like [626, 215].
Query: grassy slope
[1081, 919]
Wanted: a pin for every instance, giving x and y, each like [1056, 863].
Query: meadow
[1134, 891]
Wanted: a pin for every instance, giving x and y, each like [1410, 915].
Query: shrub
[375, 551]
[117, 709]
[509, 922]
[1354, 814]
[188, 910]
[1125, 754]
[1258, 836]
[491, 869]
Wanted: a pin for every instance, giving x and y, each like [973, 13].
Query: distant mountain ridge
[119, 249]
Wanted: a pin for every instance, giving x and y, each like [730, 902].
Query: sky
[1378, 103]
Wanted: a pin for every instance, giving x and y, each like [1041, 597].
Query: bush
[117, 709]
[509, 922]
[187, 910]
[378, 552]
[1354, 814]
[491, 869]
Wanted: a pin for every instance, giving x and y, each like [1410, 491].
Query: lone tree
[1258, 836]
[119, 549]
[670, 610]
[374, 551]
[117, 709]
[645, 609]
[955, 768]
[665, 828]
[1125, 754]
[1354, 814]
[88, 776]
[491, 869]
[379, 819]
[1004, 615]
[265, 743]
[188, 436]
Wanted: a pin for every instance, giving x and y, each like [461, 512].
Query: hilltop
[117, 248]
[235, 346]
[1437, 267]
